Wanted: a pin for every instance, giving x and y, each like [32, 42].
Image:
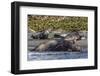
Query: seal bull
[57, 45]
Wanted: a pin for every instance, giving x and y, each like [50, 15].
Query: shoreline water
[56, 55]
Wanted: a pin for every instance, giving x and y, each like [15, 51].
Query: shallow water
[57, 55]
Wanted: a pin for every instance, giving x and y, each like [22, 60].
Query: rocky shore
[72, 42]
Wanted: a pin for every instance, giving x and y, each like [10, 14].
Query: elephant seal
[45, 46]
[57, 45]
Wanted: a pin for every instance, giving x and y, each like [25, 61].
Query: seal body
[58, 45]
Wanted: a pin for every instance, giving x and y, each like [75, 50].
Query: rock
[40, 35]
[51, 35]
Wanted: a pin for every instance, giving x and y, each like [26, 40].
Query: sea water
[57, 55]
